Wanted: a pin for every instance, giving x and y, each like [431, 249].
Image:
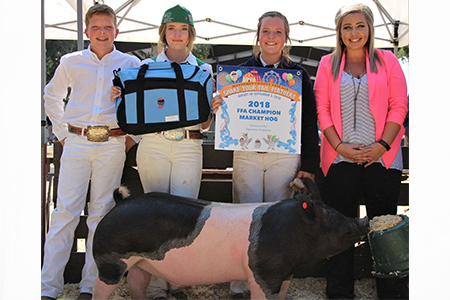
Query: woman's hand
[115, 92]
[354, 152]
[216, 102]
[304, 174]
[375, 151]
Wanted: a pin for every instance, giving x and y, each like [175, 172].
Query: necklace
[356, 92]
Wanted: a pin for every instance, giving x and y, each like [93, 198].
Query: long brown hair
[285, 58]
[336, 56]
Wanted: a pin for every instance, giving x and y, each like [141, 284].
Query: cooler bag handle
[140, 92]
[159, 65]
[180, 91]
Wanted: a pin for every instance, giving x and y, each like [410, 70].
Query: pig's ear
[312, 188]
[308, 205]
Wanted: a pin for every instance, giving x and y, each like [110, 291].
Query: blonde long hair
[285, 51]
[336, 56]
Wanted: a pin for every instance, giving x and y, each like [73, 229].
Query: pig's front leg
[138, 280]
[103, 291]
[256, 293]
[284, 289]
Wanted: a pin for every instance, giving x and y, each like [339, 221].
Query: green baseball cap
[178, 14]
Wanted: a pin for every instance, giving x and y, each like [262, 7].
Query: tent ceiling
[232, 22]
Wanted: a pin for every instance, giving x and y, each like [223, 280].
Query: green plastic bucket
[390, 250]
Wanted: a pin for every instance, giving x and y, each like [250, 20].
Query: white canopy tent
[231, 22]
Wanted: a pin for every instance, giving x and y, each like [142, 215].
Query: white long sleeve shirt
[91, 80]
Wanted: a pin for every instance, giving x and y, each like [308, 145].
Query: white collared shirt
[265, 64]
[190, 59]
[90, 80]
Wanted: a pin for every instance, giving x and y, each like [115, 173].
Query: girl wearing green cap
[164, 165]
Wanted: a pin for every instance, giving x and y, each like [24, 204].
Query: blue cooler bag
[162, 96]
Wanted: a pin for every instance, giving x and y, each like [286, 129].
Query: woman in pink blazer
[361, 104]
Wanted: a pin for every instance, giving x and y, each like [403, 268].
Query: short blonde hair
[285, 51]
[340, 46]
[100, 9]
[163, 45]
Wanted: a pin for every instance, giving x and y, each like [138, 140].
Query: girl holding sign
[361, 104]
[263, 176]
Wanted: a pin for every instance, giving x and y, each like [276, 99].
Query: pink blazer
[387, 97]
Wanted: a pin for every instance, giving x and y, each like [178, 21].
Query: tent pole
[80, 24]
[44, 216]
[396, 25]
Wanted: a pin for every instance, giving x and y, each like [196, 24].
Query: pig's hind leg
[138, 280]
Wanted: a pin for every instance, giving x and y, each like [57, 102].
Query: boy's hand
[115, 92]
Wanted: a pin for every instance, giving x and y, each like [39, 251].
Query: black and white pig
[193, 242]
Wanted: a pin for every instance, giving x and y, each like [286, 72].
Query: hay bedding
[385, 222]
[305, 288]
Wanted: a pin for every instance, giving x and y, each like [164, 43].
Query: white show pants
[173, 167]
[101, 163]
[263, 177]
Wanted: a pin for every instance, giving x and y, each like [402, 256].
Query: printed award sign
[261, 110]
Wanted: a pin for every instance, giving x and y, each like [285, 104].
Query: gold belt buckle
[97, 133]
[174, 134]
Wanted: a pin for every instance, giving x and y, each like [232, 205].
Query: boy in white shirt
[94, 146]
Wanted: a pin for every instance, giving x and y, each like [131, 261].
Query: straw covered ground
[305, 288]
